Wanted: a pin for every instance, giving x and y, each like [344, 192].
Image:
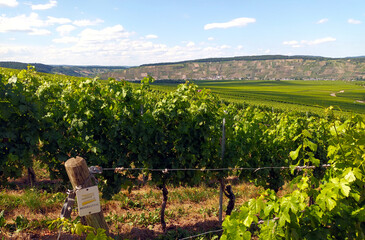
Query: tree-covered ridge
[19, 65]
[77, 71]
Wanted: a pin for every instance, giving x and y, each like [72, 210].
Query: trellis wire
[98, 170]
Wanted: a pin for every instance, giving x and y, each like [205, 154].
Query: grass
[303, 96]
[33, 199]
[192, 194]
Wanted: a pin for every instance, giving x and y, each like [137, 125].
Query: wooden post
[220, 216]
[79, 175]
[223, 138]
[144, 177]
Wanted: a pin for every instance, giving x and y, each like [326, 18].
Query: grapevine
[117, 124]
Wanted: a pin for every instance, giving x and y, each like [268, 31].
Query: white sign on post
[88, 201]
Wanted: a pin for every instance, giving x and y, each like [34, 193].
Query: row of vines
[115, 124]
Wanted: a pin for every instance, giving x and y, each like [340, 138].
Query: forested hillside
[76, 71]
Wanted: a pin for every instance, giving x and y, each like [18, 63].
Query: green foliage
[109, 124]
[36, 201]
[75, 227]
[183, 131]
[19, 123]
[146, 220]
[338, 208]
[263, 139]
[2, 220]
[195, 194]
[116, 125]
[21, 223]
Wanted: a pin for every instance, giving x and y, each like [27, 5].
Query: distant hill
[78, 71]
[265, 67]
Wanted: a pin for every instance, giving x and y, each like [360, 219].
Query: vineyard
[289, 95]
[47, 119]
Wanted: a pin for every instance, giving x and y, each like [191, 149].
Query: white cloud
[86, 22]
[320, 41]
[238, 22]
[107, 34]
[324, 20]
[225, 47]
[293, 42]
[66, 40]
[53, 20]
[110, 46]
[210, 38]
[110, 50]
[21, 23]
[39, 32]
[12, 49]
[51, 4]
[353, 21]
[119, 51]
[190, 44]
[8, 3]
[65, 29]
[302, 43]
[151, 36]
[31, 24]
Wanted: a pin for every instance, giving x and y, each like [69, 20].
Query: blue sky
[134, 32]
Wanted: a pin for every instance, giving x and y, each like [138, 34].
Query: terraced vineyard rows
[303, 96]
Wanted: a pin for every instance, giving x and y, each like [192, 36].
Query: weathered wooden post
[80, 177]
[221, 182]
[220, 216]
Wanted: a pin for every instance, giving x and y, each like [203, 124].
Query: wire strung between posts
[99, 170]
[191, 237]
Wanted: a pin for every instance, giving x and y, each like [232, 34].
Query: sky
[135, 32]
